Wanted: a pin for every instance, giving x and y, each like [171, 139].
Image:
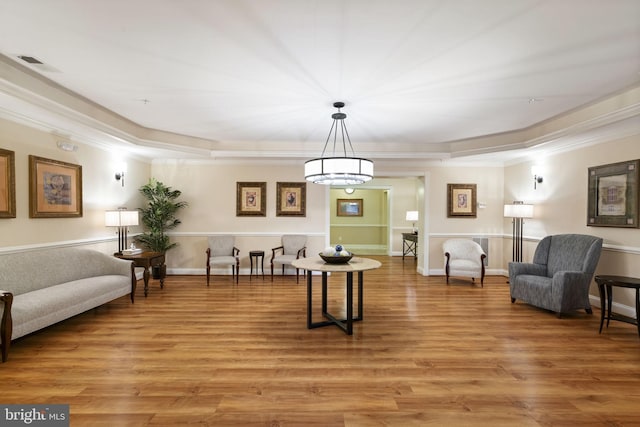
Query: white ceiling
[421, 79]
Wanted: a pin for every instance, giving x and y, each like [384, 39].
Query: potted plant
[158, 217]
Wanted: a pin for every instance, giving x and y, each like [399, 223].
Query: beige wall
[561, 206]
[209, 188]
[100, 191]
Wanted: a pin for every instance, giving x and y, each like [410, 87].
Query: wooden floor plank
[426, 354]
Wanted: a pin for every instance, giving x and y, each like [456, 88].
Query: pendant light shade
[338, 169]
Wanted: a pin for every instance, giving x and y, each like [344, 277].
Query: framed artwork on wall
[613, 195]
[461, 200]
[7, 184]
[291, 199]
[251, 199]
[349, 207]
[55, 189]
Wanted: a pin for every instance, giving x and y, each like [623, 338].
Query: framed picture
[251, 199]
[613, 195]
[291, 199]
[461, 200]
[349, 207]
[55, 189]
[7, 184]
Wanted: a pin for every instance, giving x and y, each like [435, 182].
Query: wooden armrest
[236, 251]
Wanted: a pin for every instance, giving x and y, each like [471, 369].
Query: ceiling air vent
[29, 59]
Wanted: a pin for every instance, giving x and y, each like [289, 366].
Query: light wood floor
[426, 354]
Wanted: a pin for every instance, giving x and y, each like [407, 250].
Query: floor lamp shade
[518, 211]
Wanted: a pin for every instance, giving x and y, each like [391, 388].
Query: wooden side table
[605, 288]
[147, 260]
[259, 257]
[409, 245]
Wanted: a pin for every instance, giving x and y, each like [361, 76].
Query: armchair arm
[6, 327]
[236, 251]
[302, 251]
[447, 257]
[274, 250]
[208, 251]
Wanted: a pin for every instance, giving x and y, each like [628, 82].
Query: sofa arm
[519, 268]
[6, 327]
[571, 288]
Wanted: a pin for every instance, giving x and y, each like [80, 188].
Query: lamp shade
[119, 218]
[412, 216]
[518, 210]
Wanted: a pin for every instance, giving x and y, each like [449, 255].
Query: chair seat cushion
[222, 260]
[464, 266]
[284, 259]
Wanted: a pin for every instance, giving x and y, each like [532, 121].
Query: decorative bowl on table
[336, 259]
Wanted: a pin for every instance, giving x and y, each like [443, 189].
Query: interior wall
[100, 191]
[209, 188]
[488, 222]
[366, 234]
[560, 206]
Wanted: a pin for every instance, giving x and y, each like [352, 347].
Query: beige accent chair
[222, 251]
[293, 247]
[464, 257]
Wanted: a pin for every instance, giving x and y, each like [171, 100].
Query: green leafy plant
[159, 215]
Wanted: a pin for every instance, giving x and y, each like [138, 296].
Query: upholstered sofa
[42, 287]
[560, 275]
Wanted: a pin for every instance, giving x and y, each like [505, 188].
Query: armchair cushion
[560, 275]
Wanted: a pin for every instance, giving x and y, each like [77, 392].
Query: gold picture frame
[55, 189]
[251, 199]
[291, 199]
[614, 195]
[349, 207]
[461, 200]
[7, 184]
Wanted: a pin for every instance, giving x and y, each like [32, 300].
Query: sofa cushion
[43, 307]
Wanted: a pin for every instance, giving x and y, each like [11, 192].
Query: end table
[146, 260]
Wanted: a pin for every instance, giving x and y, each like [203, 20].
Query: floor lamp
[121, 219]
[518, 211]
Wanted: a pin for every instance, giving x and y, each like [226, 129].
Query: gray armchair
[560, 275]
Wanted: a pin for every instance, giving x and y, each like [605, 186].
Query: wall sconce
[412, 216]
[349, 190]
[120, 177]
[537, 178]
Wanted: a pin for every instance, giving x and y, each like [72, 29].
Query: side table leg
[146, 280]
[603, 297]
[638, 310]
[609, 301]
[324, 292]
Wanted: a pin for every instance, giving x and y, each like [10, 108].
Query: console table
[356, 264]
[409, 245]
[147, 260]
[605, 285]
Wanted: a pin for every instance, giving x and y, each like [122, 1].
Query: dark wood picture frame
[55, 189]
[349, 207]
[461, 201]
[291, 199]
[251, 199]
[7, 184]
[613, 195]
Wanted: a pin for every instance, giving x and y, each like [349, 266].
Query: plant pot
[159, 271]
